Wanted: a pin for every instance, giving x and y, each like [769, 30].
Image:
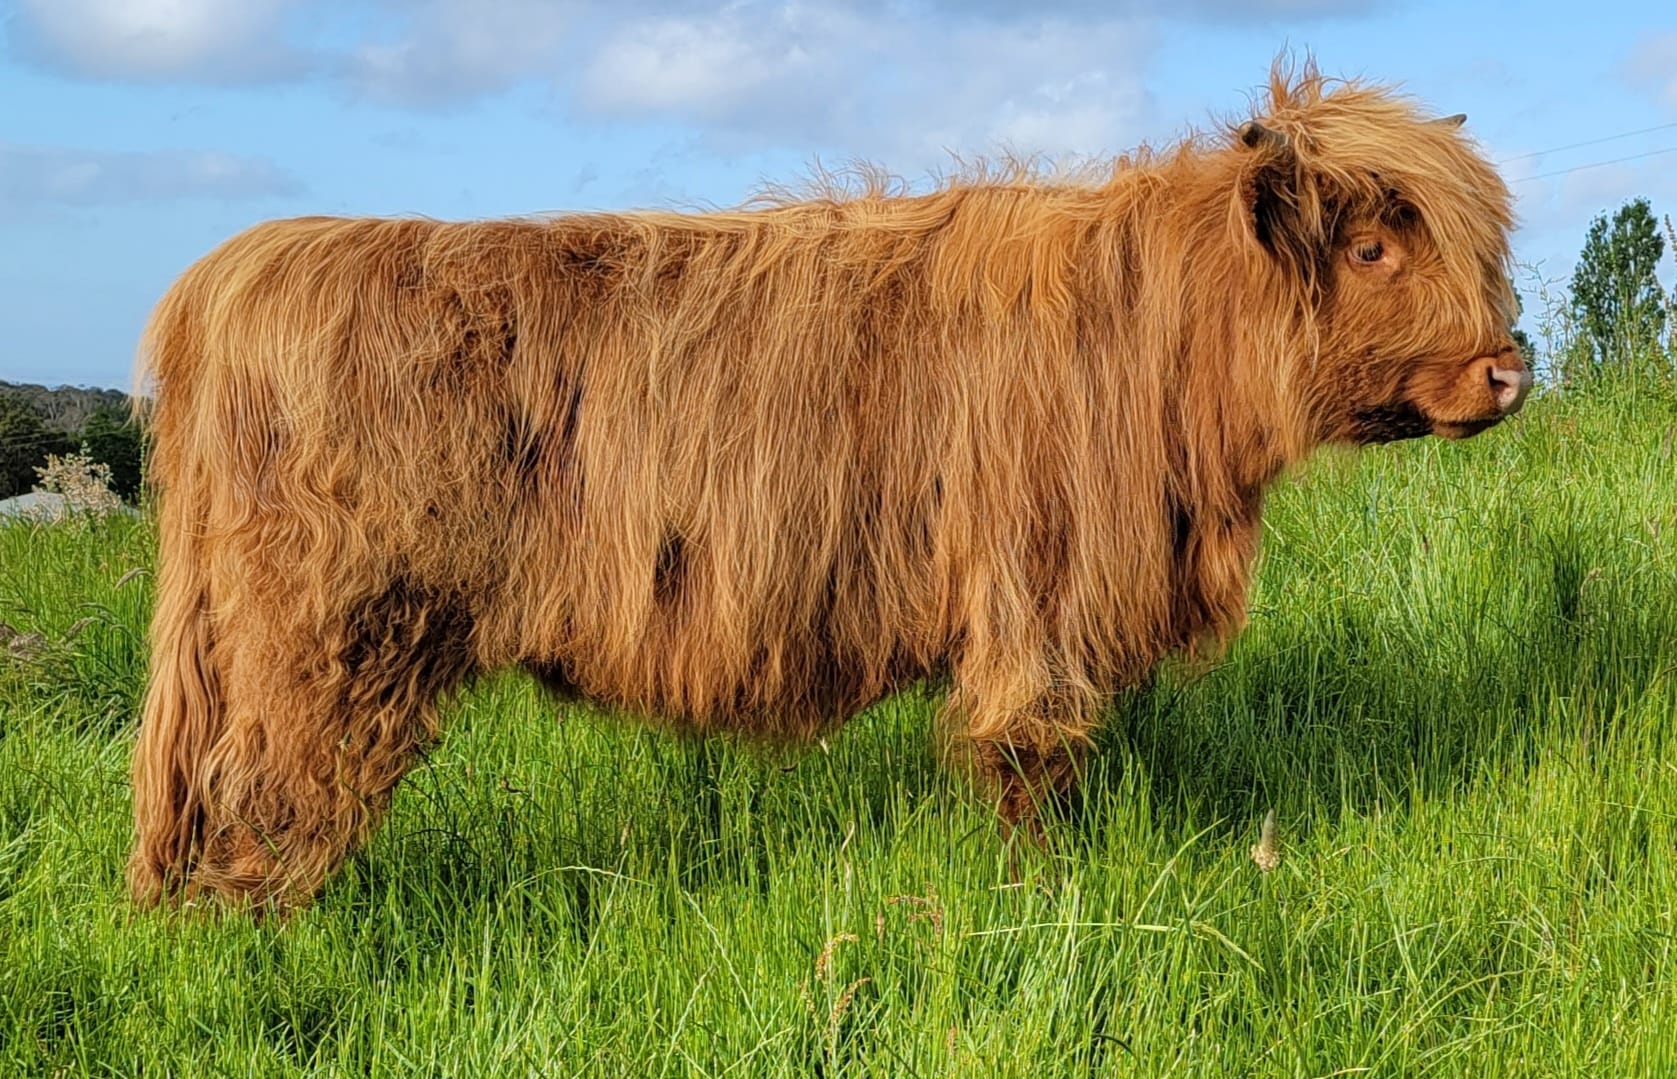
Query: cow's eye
[1372, 251]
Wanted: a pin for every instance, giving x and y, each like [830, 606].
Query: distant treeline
[36, 422]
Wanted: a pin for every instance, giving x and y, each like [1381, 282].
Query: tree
[25, 442]
[113, 439]
[1616, 295]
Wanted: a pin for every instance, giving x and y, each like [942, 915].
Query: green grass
[1458, 693]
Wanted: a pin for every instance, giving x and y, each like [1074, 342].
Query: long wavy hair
[750, 471]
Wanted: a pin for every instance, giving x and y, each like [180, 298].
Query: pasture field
[1458, 693]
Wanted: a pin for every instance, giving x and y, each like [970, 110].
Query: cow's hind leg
[320, 728]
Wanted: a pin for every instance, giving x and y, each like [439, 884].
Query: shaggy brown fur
[751, 471]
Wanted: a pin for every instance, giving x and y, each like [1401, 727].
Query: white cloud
[49, 175]
[1550, 195]
[1654, 65]
[899, 88]
[1217, 11]
[158, 40]
[705, 65]
[451, 51]
[1593, 191]
[1056, 87]
[1555, 211]
[1268, 10]
[899, 81]
[1087, 122]
[1558, 194]
[777, 68]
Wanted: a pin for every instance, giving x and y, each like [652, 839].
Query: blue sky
[137, 134]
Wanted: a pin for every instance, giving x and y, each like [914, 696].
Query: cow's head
[1393, 233]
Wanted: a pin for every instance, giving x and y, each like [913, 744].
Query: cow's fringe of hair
[746, 471]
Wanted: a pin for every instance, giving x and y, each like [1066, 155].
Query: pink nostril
[1509, 385]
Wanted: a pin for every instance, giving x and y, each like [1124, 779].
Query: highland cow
[751, 471]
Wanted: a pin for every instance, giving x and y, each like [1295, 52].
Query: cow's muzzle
[1507, 379]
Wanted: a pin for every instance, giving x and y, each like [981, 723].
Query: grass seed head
[1266, 852]
[824, 961]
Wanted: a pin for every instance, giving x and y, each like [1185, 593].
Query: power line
[1587, 142]
[1597, 164]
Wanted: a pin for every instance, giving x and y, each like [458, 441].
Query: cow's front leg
[1026, 754]
[1026, 779]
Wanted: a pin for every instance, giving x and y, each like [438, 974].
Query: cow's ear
[1270, 196]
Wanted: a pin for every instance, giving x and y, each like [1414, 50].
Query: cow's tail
[183, 712]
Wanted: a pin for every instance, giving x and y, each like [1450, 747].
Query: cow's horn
[1253, 134]
[1457, 120]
